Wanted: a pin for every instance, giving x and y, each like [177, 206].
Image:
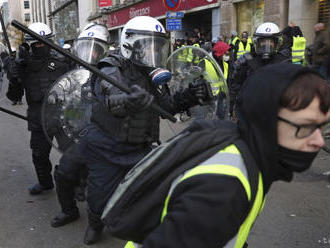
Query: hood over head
[257, 108]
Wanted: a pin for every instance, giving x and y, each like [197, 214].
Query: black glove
[199, 91]
[139, 99]
[116, 104]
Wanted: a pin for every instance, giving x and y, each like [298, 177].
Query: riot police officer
[122, 127]
[37, 69]
[266, 40]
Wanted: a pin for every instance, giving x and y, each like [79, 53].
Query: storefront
[197, 13]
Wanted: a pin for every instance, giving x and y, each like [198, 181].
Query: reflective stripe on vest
[217, 82]
[298, 49]
[241, 50]
[227, 162]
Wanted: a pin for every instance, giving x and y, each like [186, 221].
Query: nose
[317, 139]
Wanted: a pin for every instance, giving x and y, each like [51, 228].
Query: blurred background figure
[321, 49]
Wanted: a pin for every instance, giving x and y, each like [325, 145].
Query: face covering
[295, 161]
[225, 58]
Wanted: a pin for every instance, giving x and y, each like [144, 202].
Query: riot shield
[67, 108]
[191, 65]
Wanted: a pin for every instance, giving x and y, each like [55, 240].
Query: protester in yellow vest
[215, 203]
[245, 45]
[234, 43]
[222, 56]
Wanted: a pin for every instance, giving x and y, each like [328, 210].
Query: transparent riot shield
[67, 108]
[191, 66]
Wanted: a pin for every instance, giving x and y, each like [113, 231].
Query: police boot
[62, 219]
[65, 196]
[43, 169]
[38, 188]
[94, 229]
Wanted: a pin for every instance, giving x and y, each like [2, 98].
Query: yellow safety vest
[217, 82]
[182, 56]
[233, 42]
[227, 162]
[298, 50]
[191, 57]
[241, 51]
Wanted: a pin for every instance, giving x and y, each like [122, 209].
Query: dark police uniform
[116, 139]
[36, 74]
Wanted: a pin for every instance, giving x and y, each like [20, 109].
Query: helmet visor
[265, 46]
[90, 50]
[150, 51]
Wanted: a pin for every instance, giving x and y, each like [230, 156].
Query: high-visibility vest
[298, 50]
[227, 162]
[217, 82]
[241, 50]
[191, 57]
[182, 56]
[233, 42]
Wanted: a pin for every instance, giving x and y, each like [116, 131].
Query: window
[27, 17]
[26, 4]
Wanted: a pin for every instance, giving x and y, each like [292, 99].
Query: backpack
[134, 210]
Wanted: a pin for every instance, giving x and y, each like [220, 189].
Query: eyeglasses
[305, 130]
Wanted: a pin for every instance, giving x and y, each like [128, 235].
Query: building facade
[19, 10]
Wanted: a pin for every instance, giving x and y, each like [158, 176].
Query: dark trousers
[40, 156]
[41, 147]
[107, 162]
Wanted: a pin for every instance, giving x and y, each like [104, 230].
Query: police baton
[89, 67]
[13, 114]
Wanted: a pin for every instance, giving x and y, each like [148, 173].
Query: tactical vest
[242, 50]
[227, 162]
[39, 74]
[139, 127]
[298, 50]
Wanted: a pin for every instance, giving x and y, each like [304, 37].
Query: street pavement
[295, 215]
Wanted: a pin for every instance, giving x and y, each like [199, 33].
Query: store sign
[173, 24]
[105, 3]
[151, 8]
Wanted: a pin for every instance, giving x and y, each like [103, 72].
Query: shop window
[250, 14]
[26, 4]
[324, 11]
[27, 17]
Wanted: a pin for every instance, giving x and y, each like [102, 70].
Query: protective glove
[139, 99]
[199, 91]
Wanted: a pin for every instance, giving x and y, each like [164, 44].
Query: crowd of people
[243, 53]
[204, 187]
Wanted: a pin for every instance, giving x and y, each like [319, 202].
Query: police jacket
[121, 124]
[206, 209]
[249, 63]
[37, 74]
